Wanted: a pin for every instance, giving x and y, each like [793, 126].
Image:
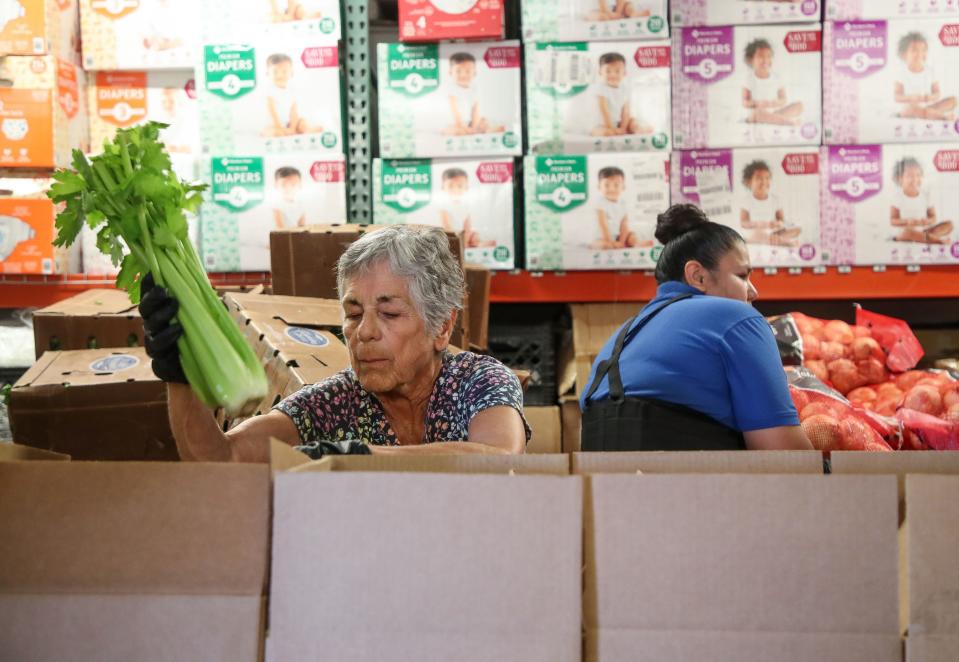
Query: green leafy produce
[130, 195]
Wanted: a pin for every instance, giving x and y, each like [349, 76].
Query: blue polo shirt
[715, 355]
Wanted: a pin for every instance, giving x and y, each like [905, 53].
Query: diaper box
[42, 113]
[890, 204]
[603, 96]
[250, 196]
[687, 13]
[118, 99]
[229, 20]
[270, 96]
[746, 86]
[449, 99]
[770, 195]
[592, 20]
[140, 34]
[435, 20]
[841, 10]
[27, 229]
[473, 197]
[890, 81]
[595, 211]
[40, 27]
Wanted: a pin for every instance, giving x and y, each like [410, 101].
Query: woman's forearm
[197, 434]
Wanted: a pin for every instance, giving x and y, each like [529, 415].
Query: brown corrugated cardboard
[741, 567]
[16, 453]
[593, 324]
[572, 423]
[98, 404]
[478, 282]
[547, 430]
[699, 462]
[425, 567]
[91, 319]
[111, 562]
[932, 538]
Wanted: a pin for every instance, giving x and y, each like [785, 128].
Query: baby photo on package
[449, 99]
[687, 13]
[249, 197]
[226, 20]
[890, 204]
[593, 20]
[140, 35]
[596, 211]
[598, 97]
[747, 86]
[269, 97]
[890, 81]
[472, 197]
[769, 195]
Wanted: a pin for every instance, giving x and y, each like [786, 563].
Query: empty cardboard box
[89, 320]
[97, 404]
[547, 429]
[699, 462]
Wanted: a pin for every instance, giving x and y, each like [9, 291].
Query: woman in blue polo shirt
[697, 368]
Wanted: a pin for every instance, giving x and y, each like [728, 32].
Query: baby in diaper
[454, 208]
[163, 27]
[283, 111]
[610, 96]
[917, 88]
[293, 10]
[764, 94]
[913, 212]
[761, 213]
[465, 113]
[612, 10]
[612, 213]
[288, 210]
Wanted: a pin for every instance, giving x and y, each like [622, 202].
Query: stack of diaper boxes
[598, 115]
[891, 154]
[747, 122]
[450, 125]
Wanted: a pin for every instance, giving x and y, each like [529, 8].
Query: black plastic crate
[529, 345]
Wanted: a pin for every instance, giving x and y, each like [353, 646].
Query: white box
[685, 13]
[866, 187]
[231, 20]
[271, 96]
[139, 34]
[718, 73]
[875, 74]
[574, 20]
[251, 196]
[770, 195]
[853, 9]
[597, 97]
[420, 85]
[474, 197]
[569, 200]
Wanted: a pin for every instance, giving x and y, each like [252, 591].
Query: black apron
[621, 423]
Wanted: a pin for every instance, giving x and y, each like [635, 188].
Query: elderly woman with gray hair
[401, 290]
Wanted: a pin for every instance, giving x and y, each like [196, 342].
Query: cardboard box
[97, 404]
[226, 19]
[876, 204]
[572, 423]
[579, 20]
[140, 35]
[479, 583]
[420, 84]
[931, 537]
[27, 228]
[598, 97]
[593, 325]
[128, 561]
[685, 13]
[42, 113]
[712, 76]
[770, 195]
[478, 282]
[878, 77]
[42, 27]
[735, 567]
[594, 212]
[250, 197]
[10, 452]
[436, 20]
[473, 197]
[272, 96]
[90, 320]
[699, 462]
[547, 429]
[853, 9]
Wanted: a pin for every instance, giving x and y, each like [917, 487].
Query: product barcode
[713, 190]
[562, 68]
[653, 196]
[718, 211]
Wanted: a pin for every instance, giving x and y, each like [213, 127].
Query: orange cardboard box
[27, 229]
[41, 27]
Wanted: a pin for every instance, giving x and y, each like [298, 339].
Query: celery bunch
[130, 193]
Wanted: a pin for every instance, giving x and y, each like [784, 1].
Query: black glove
[157, 308]
[317, 449]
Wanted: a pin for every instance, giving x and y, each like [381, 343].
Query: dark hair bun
[677, 221]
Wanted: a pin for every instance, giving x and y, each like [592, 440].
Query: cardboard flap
[16, 453]
[295, 311]
[715, 554]
[700, 462]
[131, 527]
[93, 303]
[554, 465]
[89, 367]
[284, 457]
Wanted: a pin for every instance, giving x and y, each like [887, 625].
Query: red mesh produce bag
[894, 336]
[926, 432]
